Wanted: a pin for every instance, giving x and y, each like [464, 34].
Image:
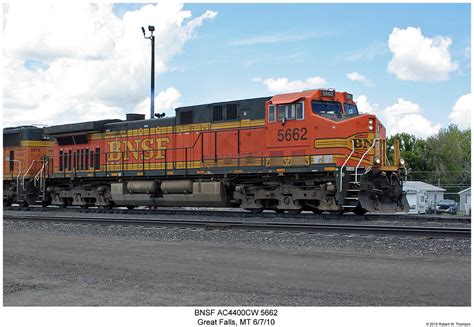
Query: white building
[465, 201]
[422, 196]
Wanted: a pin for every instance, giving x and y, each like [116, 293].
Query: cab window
[299, 111]
[271, 113]
[327, 107]
[293, 111]
[350, 109]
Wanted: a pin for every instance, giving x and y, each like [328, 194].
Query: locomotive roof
[252, 108]
[142, 123]
[13, 135]
[18, 128]
[89, 126]
[292, 97]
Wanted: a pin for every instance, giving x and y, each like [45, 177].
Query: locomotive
[309, 150]
[24, 151]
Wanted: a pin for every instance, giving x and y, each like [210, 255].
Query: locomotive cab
[25, 151]
[342, 140]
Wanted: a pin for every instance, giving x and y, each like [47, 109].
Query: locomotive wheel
[279, 210]
[46, 202]
[7, 203]
[294, 211]
[131, 207]
[359, 210]
[337, 212]
[24, 204]
[109, 205]
[65, 203]
[317, 211]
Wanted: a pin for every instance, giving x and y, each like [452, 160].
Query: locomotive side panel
[280, 153]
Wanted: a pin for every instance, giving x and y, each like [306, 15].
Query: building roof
[466, 190]
[422, 186]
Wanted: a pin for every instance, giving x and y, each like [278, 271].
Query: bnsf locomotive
[308, 150]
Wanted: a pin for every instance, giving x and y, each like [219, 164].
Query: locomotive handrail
[344, 164]
[29, 168]
[362, 158]
[19, 173]
[38, 175]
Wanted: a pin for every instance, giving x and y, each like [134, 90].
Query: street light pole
[152, 91]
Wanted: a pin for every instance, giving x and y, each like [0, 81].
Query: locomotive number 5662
[292, 134]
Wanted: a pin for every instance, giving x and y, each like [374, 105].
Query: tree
[450, 156]
[412, 149]
[444, 158]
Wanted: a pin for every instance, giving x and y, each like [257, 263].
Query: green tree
[412, 149]
[449, 157]
[444, 158]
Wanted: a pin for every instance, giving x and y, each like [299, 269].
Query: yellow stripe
[37, 143]
[179, 129]
[116, 166]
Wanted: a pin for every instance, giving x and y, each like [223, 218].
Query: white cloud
[419, 58]
[282, 84]
[406, 117]
[274, 38]
[165, 102]
[370, 52]
[364, 106]
[358, 77]
[461, 113]
[402, 117]
[89, 64]
[355, 76]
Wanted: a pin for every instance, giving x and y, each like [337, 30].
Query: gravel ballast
[89, 264]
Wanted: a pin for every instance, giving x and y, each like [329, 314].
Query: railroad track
[256, 225]
[245, 214]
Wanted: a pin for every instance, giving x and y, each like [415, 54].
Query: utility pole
[152, 91]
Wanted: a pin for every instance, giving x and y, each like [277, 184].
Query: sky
[407, 63]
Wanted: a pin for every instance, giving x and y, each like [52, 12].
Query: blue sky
[408, 63]
[335, 39]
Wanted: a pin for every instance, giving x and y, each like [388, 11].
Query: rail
[239, 213]
[259, 225]
[362, 158]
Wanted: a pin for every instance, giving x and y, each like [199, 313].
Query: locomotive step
[352, 199]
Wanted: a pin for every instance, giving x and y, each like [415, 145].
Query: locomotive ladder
[22, 178]
[40, 179]
[351, 196]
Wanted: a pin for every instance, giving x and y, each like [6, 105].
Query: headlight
[371, 124]
[377, 161]
[402, 162]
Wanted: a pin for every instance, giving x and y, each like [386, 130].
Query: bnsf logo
[362, 143]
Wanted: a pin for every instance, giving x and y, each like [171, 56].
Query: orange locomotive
[24, 150]
[308, 150]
